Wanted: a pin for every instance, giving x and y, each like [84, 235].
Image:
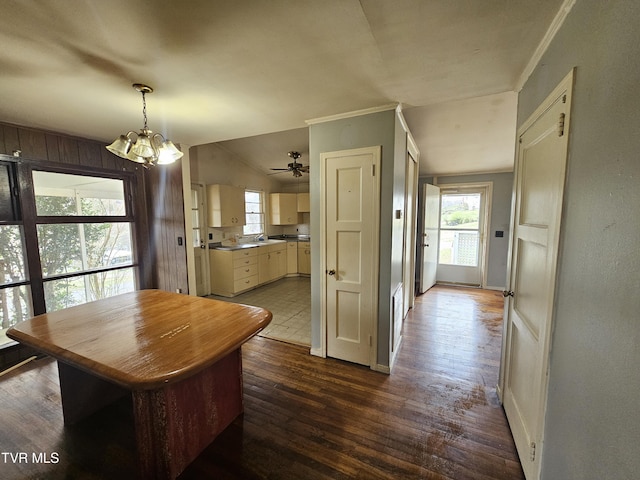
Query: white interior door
[200, 251]
[540, 173]
[431, 219]
[351, 193]
[464, 212]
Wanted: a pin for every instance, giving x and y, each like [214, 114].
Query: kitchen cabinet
[304, 258]
[303, 202]
[272, 262]
[225, 206]
[292, 258]
[283, 208]
[233, 271]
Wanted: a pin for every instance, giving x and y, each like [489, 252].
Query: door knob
[507, 293]
[331, 272]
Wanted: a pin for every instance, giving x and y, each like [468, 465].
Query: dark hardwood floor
[436, 416]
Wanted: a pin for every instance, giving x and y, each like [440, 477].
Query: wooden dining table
[178, 356]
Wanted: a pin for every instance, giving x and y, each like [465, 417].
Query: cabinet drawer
[243, 262]
[304, 245]
[245, 283]
[244, 253]
[245, 271]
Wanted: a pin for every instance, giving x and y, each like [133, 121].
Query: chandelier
[145, 147]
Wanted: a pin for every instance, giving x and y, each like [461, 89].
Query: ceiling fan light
[168, 153]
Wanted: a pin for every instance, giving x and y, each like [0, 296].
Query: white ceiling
[226, 70]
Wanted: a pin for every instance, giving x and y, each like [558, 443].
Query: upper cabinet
[303, 202]
[225, 206]
[283, 208]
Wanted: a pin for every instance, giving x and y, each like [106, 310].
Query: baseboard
[381, 368]
[499, 289]
[316, 352]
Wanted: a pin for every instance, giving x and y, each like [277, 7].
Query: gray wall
[498, 248]
[593, 409]
[356, 132]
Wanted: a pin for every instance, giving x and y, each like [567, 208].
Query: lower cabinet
[272, 262]
[292, 258]
[233, 272]
[236, 271]
[304, 258]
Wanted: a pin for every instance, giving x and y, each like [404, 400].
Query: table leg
[83, 394]
[176, 422]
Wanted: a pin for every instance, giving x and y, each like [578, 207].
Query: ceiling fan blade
[283, 169]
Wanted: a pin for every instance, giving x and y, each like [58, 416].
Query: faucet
[259, 238]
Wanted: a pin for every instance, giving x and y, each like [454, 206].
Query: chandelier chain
[144, 109]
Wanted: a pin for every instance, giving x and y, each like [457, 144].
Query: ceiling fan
[297, 168]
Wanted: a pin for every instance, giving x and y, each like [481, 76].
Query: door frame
[484, 232]
[202, 214]
[376, 151]
[410, 233]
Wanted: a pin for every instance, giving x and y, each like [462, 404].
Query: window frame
[261, 213]
[30, 221]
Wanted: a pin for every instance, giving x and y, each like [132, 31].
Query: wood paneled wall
[158, 198]
[167, 233]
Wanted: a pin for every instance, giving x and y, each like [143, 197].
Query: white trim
[486, 189]
[381, 368]
[355, 113]
[185, 166]
[317, 352]
[557, 22]
[464, 174]
[412, 146]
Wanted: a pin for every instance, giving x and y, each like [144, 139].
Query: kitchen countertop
[291, 238]
[240, 246]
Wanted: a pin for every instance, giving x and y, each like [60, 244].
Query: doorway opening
[463, 223]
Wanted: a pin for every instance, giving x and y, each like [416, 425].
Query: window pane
[458, 247]
[253, 229]
[15, 306]
[11, 255]
[68, 292]
[7, 200]
[61, 194]
[195, 219]
[196, 237]
[460, 211]
[67, 248]
[252, 197]
[254, 218]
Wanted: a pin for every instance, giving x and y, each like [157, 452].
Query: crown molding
[557, 22]
[356, 113]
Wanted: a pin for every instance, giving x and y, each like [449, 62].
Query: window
[459, 229]
[15, 295]
[195, 217]
[84, 238]
[254, 213]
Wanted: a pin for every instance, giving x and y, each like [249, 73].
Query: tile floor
[289, 300]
